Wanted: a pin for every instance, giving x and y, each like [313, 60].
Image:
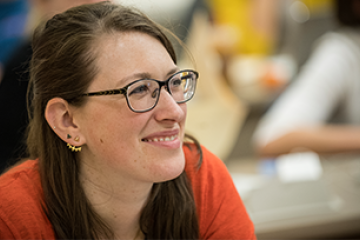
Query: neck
[117, 201]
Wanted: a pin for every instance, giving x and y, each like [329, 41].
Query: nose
[168, 109]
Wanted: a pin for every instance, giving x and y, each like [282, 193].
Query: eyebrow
[145, 75]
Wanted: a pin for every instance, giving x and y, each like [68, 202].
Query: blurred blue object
[13, 16]
[267, 166]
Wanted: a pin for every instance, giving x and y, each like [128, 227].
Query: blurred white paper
[296, 167]
[246, 183]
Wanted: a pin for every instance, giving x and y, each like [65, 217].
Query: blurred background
[253, 56]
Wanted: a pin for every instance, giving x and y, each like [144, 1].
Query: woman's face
[138, 146]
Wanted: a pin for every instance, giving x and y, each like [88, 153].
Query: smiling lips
[161, 139]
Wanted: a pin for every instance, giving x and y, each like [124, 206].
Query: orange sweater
[221, 212]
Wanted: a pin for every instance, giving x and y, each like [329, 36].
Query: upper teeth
[162, 139]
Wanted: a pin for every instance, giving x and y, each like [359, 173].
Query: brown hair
[63, 65]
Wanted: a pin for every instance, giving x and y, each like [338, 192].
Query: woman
[111, 163]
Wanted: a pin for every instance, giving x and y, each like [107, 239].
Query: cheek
[184, 108]
[112, 141]
[182, 122]
[112, 131]
[110, 126]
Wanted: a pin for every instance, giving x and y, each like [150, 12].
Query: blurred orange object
[274, 77]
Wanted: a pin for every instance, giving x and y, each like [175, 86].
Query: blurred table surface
[325, 208]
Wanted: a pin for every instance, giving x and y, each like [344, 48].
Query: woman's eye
[140, 90]
[176, 82]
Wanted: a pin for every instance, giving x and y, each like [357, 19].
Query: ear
[59, 116]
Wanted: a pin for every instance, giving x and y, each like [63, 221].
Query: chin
[171, 170]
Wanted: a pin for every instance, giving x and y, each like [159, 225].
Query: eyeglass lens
[144, 94]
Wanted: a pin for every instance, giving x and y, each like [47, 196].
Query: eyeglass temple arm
[108, 92]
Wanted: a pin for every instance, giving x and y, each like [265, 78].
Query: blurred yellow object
[319, 6]
[252, 20]
[254, 23]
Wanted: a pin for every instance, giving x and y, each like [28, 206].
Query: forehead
[120, 55]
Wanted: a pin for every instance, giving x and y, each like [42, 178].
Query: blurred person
[107, 132]
[320, 110]
[251, 24]
[14, 83]
[13, 16]
[244, 27]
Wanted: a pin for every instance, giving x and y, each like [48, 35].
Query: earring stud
[68, 136]
[76, 139]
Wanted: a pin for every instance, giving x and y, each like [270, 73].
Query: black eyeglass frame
[161, 84]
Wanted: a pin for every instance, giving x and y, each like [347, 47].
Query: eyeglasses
[143, 95]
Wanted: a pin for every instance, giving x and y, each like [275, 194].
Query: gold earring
[76, 139]
[73, 148]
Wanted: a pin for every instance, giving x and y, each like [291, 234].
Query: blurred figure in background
[244, 27]
[14, 84]
[13, 16]
[320, 110]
